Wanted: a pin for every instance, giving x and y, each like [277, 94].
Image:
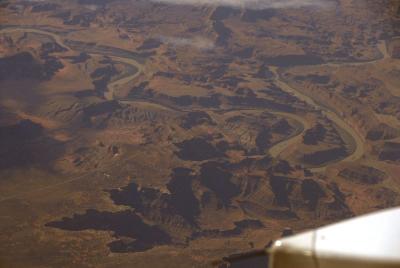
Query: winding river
[111, 87]
[357, 139]
[277, 149]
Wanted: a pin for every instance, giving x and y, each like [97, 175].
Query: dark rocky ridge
[318, 79]
[150, 43]
[223, 32]
[293, 60]
[263, 140]
[180, 205]
[124, 224]
[217, 178]
[281, 187]
[240, 227]
[390, 151]
[193, 119]
[81, 58]
[95, 2]
[314, 135]
[24, 66]
[363, 175]
[382, 132]
[282, 127]
[105, 107]
[197, 149]
[178, 208]
[25, 144]
[222, 13]
[311, 192]
[252, 15]
[320, 157]
[102, 77]
[45, 7]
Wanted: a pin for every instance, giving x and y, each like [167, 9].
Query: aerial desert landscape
[173, 133]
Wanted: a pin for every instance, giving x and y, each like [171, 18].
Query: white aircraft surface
[370, 241]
